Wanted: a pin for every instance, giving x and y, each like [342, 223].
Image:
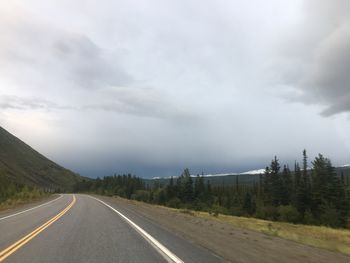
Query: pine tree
[297, 176]
[187, 186]
[260, 192]
[329, 203]
[276, 182]
[208, 194]
[287, 189]
[306, 180]
[171, 191]
[199, 188]
[303, 190]
[248, 204]
[319, 185]
[267, 186]
[300, 190]
[342, 178]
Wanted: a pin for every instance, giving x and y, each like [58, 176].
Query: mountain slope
[22, 164]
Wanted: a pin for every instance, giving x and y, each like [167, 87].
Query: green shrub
[159, 196]
[288, 213]
[330, 216]
[199, 206]
[215, 210]
[174, 202]
[236, 211]
[141, 195]
[267, 212]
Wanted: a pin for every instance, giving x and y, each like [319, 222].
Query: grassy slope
[24, 165]
[317, 236]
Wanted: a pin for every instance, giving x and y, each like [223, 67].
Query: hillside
[22, 164]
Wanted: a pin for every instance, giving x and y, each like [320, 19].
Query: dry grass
[22, 198]
[317, 236]
[337, 240]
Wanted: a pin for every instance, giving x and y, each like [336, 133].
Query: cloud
[70, 71]
[157, 86]
[328, 77]
[32, 51]
[141, 102]
[322, 62]
[88, 64]
[145, 103]
[19, 103]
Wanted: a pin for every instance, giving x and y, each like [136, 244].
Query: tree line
[316, 195]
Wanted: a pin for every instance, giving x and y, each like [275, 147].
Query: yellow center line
[17, 245]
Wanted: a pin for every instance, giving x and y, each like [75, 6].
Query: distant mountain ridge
[22, 164]
[231, 178]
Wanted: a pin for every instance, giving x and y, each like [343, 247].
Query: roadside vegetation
[12, 194]
[332, 239]
[316, 196]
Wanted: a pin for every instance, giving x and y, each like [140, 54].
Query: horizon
[215, 87]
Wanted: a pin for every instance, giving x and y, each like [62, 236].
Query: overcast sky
[151, 87]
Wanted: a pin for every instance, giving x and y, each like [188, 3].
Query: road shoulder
[27, 205]
[227, 241]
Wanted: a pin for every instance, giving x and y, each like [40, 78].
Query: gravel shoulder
[226, 240]
[26, 205]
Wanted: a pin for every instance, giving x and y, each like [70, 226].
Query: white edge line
[35, 207]
[155, 243]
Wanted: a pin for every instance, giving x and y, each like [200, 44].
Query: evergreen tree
[300, 190]
[306, 180]
[276, 183]
[267, 186]
[171, 190]
[199, 188]
[329, 203]
[316, 197]
[297, 176]
[319, 185]
[187, 186]
[208, 194]
[248, 204]
[287, 186]
[303, 191]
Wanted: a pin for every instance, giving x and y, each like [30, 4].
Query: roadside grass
[337, 240]
[187, 212]
[22, 198]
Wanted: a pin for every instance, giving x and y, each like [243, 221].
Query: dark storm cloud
[155, 86]
[329, 79]
[324, 61]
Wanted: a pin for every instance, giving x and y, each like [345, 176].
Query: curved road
[80, 228]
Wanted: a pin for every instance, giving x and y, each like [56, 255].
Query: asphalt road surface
[80, 228]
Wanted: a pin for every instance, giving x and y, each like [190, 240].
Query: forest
[304, 195]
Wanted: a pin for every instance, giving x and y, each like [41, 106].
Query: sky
[151, 87]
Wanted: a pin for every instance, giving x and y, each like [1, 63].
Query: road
[80, 228]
